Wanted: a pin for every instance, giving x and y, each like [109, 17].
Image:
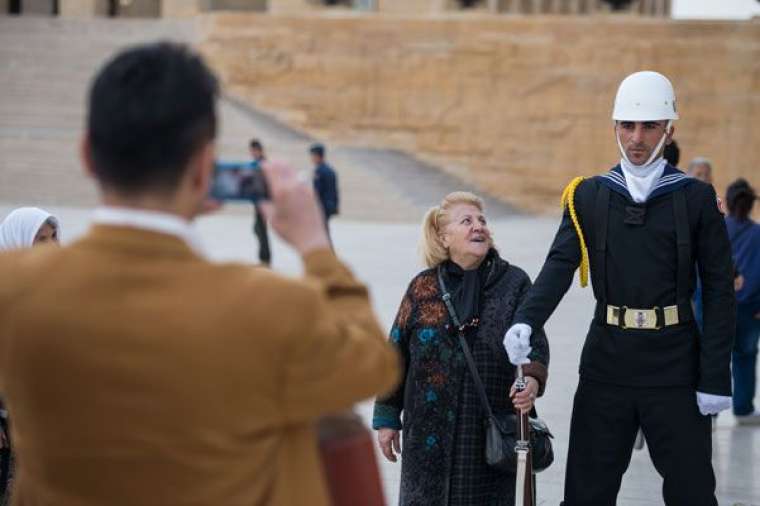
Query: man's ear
[202, 167]
[669, 138]
[85, 155]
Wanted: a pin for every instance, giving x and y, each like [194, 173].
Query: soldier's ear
[669, 138]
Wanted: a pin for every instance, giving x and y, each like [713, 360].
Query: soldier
[645, 229]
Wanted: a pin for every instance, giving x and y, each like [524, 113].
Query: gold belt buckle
[645, 319]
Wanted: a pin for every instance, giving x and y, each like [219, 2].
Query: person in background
[744, 235]
[443, 460]
[259, 222]
[142, 372]
[672, 153]
[325, 184]
[24, 227]
[700, 168]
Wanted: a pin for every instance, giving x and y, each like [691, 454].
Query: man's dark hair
[256, 144]
[317, 149]
[740, 198]
[671, 153]
[151, 108]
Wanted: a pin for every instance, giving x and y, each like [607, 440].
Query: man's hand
[710, 404]
[293, 211]
[517, 343]
[523, 400]
[389, 440]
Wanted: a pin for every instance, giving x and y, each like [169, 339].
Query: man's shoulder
[25, 269]
[326, 168]
[695, 188]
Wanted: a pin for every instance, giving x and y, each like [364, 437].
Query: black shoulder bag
[501, 434]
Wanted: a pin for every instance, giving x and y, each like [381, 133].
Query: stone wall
[518, 105]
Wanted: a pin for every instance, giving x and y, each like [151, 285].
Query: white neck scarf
[20, 227]
[641, 179]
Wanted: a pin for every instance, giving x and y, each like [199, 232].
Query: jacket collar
[158, 222]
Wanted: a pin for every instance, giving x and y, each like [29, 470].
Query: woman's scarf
[20, 227]
[466, 287]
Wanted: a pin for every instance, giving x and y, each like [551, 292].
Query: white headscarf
[20, 227]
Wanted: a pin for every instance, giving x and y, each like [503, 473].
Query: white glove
[517, 343]
[710, 404]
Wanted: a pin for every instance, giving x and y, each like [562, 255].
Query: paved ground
[44, 66]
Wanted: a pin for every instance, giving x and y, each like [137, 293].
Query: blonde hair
[432, 250]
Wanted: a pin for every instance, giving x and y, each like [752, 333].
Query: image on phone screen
[238, 181]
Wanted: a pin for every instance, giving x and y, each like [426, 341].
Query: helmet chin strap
[655, 152]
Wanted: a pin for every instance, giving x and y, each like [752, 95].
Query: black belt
[653, 318]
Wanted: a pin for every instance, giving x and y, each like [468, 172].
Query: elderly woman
[26, 227]
[443, 420]
[22, 228]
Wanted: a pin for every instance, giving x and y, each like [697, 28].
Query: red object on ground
[348, 457]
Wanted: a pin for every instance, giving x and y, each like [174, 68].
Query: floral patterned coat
[443, 462]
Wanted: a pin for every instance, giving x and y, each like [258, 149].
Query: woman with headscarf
[443, 419]
[24, 227]
[744, 235]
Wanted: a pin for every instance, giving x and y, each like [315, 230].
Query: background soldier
[642, 226]
[325, 184]
[259, 222]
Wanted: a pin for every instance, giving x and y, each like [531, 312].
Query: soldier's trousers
[604, 424]
[260, 230]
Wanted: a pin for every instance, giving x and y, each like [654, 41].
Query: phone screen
[239, 181]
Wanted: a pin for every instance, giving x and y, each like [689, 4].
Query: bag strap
[601, 213]
[683, 241]
[465, 347]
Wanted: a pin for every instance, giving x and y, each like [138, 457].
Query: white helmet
[645, 96]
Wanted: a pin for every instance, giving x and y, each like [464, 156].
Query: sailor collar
[672, 179]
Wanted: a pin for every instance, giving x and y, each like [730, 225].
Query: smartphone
[239, 181]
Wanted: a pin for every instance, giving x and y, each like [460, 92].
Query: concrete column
[661, 8]
[79, 8]
[181, 8]
[239, 5]
[37, 7]
[667, 5]
[139, 9]
[365, 5]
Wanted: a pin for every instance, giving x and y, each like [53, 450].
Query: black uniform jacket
[641, 272]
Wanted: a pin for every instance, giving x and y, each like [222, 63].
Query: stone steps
[47, 65]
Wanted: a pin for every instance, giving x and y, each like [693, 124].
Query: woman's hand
[523, 401]
[389, 440]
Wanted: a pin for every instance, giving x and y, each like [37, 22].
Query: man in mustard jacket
[139, 373]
